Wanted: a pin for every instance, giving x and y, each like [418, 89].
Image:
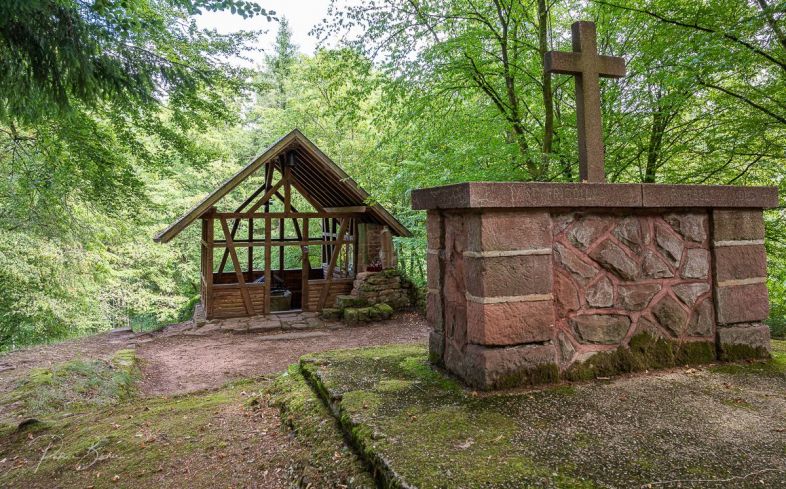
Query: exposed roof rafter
[341, 191]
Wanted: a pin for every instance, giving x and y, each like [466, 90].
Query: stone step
[293, 336]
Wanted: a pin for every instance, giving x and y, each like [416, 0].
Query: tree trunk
[655, 144]
[548, 96]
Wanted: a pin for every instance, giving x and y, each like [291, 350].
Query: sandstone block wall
[386, 287]
[526, 294]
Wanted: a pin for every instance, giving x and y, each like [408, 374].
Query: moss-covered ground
[324, 459]
[74, 385]
[80, 424]
[720, 426]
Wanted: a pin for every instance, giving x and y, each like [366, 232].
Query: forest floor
[178, 409]
[194, 411]
[709, 426]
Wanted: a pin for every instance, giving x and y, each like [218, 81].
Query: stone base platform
[262, 324]
[530, 282]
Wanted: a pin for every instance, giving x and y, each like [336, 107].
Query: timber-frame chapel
[289, 231]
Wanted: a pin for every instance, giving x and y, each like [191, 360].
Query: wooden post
[238, 271]
[287, 189]
[203, 263]
[281, 236]
[250, 249]
[355, 242]
[268, 181]
[306, 266]
[209, 238]
[268, 274]
[332, 265]
[282, 221]
[324, 238]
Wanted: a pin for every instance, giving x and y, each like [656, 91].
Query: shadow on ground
[716, 426]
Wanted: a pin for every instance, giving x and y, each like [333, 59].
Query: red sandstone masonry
[740, 262]
[506, 276]
[509, 230]
[740, 269]
[738, 224]
[742, 303]
[435, 233]
[510, 323]
[628, 294]
[527, 275]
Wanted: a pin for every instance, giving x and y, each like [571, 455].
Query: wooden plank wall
[228, 302]
[315, 287]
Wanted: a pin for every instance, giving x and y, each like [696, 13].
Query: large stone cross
[587, 66]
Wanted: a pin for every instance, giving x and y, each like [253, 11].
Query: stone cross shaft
[587, 66]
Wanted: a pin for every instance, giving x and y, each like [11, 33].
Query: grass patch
[75, 385]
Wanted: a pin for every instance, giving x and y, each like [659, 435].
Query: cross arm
[611, 66]
[561, 62]
[571, 63]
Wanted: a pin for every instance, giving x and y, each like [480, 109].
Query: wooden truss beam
[238, 272]
[333, 259]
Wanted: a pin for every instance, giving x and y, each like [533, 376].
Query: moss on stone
[541, 374]
[384, 310]
[644, 352]
[390, 273]
[351, 316]
[775, 367]
[318, 435]
[412, 423]
[736, 352]
[331, 314]
[695, 353]
[344, 301]
[416, 433]
[651, 352]
[393, 385]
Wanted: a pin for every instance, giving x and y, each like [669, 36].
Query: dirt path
[184, 363]
[174, 363]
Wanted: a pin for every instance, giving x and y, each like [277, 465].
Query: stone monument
[533, 282]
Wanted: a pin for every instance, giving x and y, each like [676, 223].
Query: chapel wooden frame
[354, 236]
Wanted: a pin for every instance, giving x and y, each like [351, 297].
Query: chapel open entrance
[279, 250]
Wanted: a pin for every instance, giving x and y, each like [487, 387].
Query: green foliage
[112, 129]
[100, 107]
